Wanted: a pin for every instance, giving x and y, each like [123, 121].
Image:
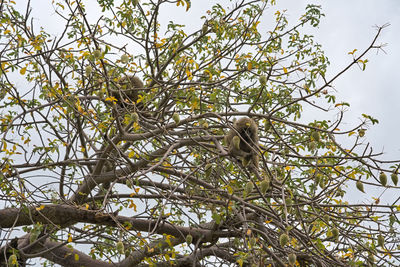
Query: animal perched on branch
[128, 90]
[242, 141]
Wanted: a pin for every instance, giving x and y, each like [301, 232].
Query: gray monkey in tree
[242, 141]
[128, 90]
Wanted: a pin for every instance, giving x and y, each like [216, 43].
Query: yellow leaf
[80, 110]
[189, 74]
[76, 257]
[140, 98]
[111, 99]
[249, 66]
[40, 208]
[168, 240]
[351, 53]
[133, 205]
[187, 5]
[285, 70]
[230, 190]
[69, 238]
[307, 88]
[209, 74]
[22, 71]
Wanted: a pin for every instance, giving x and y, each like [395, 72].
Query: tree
[93, 175]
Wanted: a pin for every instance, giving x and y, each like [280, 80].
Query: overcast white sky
[348, 25]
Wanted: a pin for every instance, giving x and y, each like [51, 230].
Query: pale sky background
[348, 25]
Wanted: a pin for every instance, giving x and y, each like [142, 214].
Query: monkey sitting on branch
[242, 141]
[127, 91]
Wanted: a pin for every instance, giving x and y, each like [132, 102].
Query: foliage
[100, 180]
